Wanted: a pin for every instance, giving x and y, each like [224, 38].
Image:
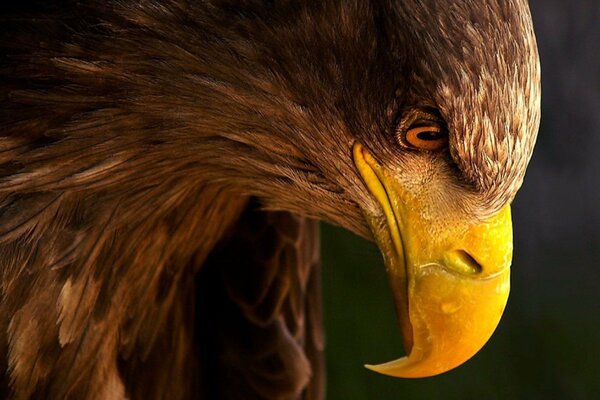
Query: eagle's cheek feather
[450, 278]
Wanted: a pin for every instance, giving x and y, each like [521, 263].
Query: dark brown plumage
[160, 161]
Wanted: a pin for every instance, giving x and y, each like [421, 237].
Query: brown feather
[134, 133]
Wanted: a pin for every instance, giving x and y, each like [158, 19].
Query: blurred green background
[548, 343]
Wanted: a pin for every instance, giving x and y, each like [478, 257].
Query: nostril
[463, 262]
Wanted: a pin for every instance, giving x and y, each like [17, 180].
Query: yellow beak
[450, 279]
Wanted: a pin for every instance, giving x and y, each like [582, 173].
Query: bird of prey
[163, 165]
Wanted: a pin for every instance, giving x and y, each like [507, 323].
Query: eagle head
[408, 122]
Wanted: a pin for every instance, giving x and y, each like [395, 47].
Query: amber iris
[427, 137]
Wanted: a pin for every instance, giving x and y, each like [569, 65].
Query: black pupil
[429, 135]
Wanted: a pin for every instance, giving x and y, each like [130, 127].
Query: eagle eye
[427, 137]
[423, 131]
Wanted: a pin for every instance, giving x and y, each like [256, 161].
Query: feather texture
[89, 293]
[161, 163]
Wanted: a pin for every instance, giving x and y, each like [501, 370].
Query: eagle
[164, 165]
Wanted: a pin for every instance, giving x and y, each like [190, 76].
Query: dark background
[548, 343]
